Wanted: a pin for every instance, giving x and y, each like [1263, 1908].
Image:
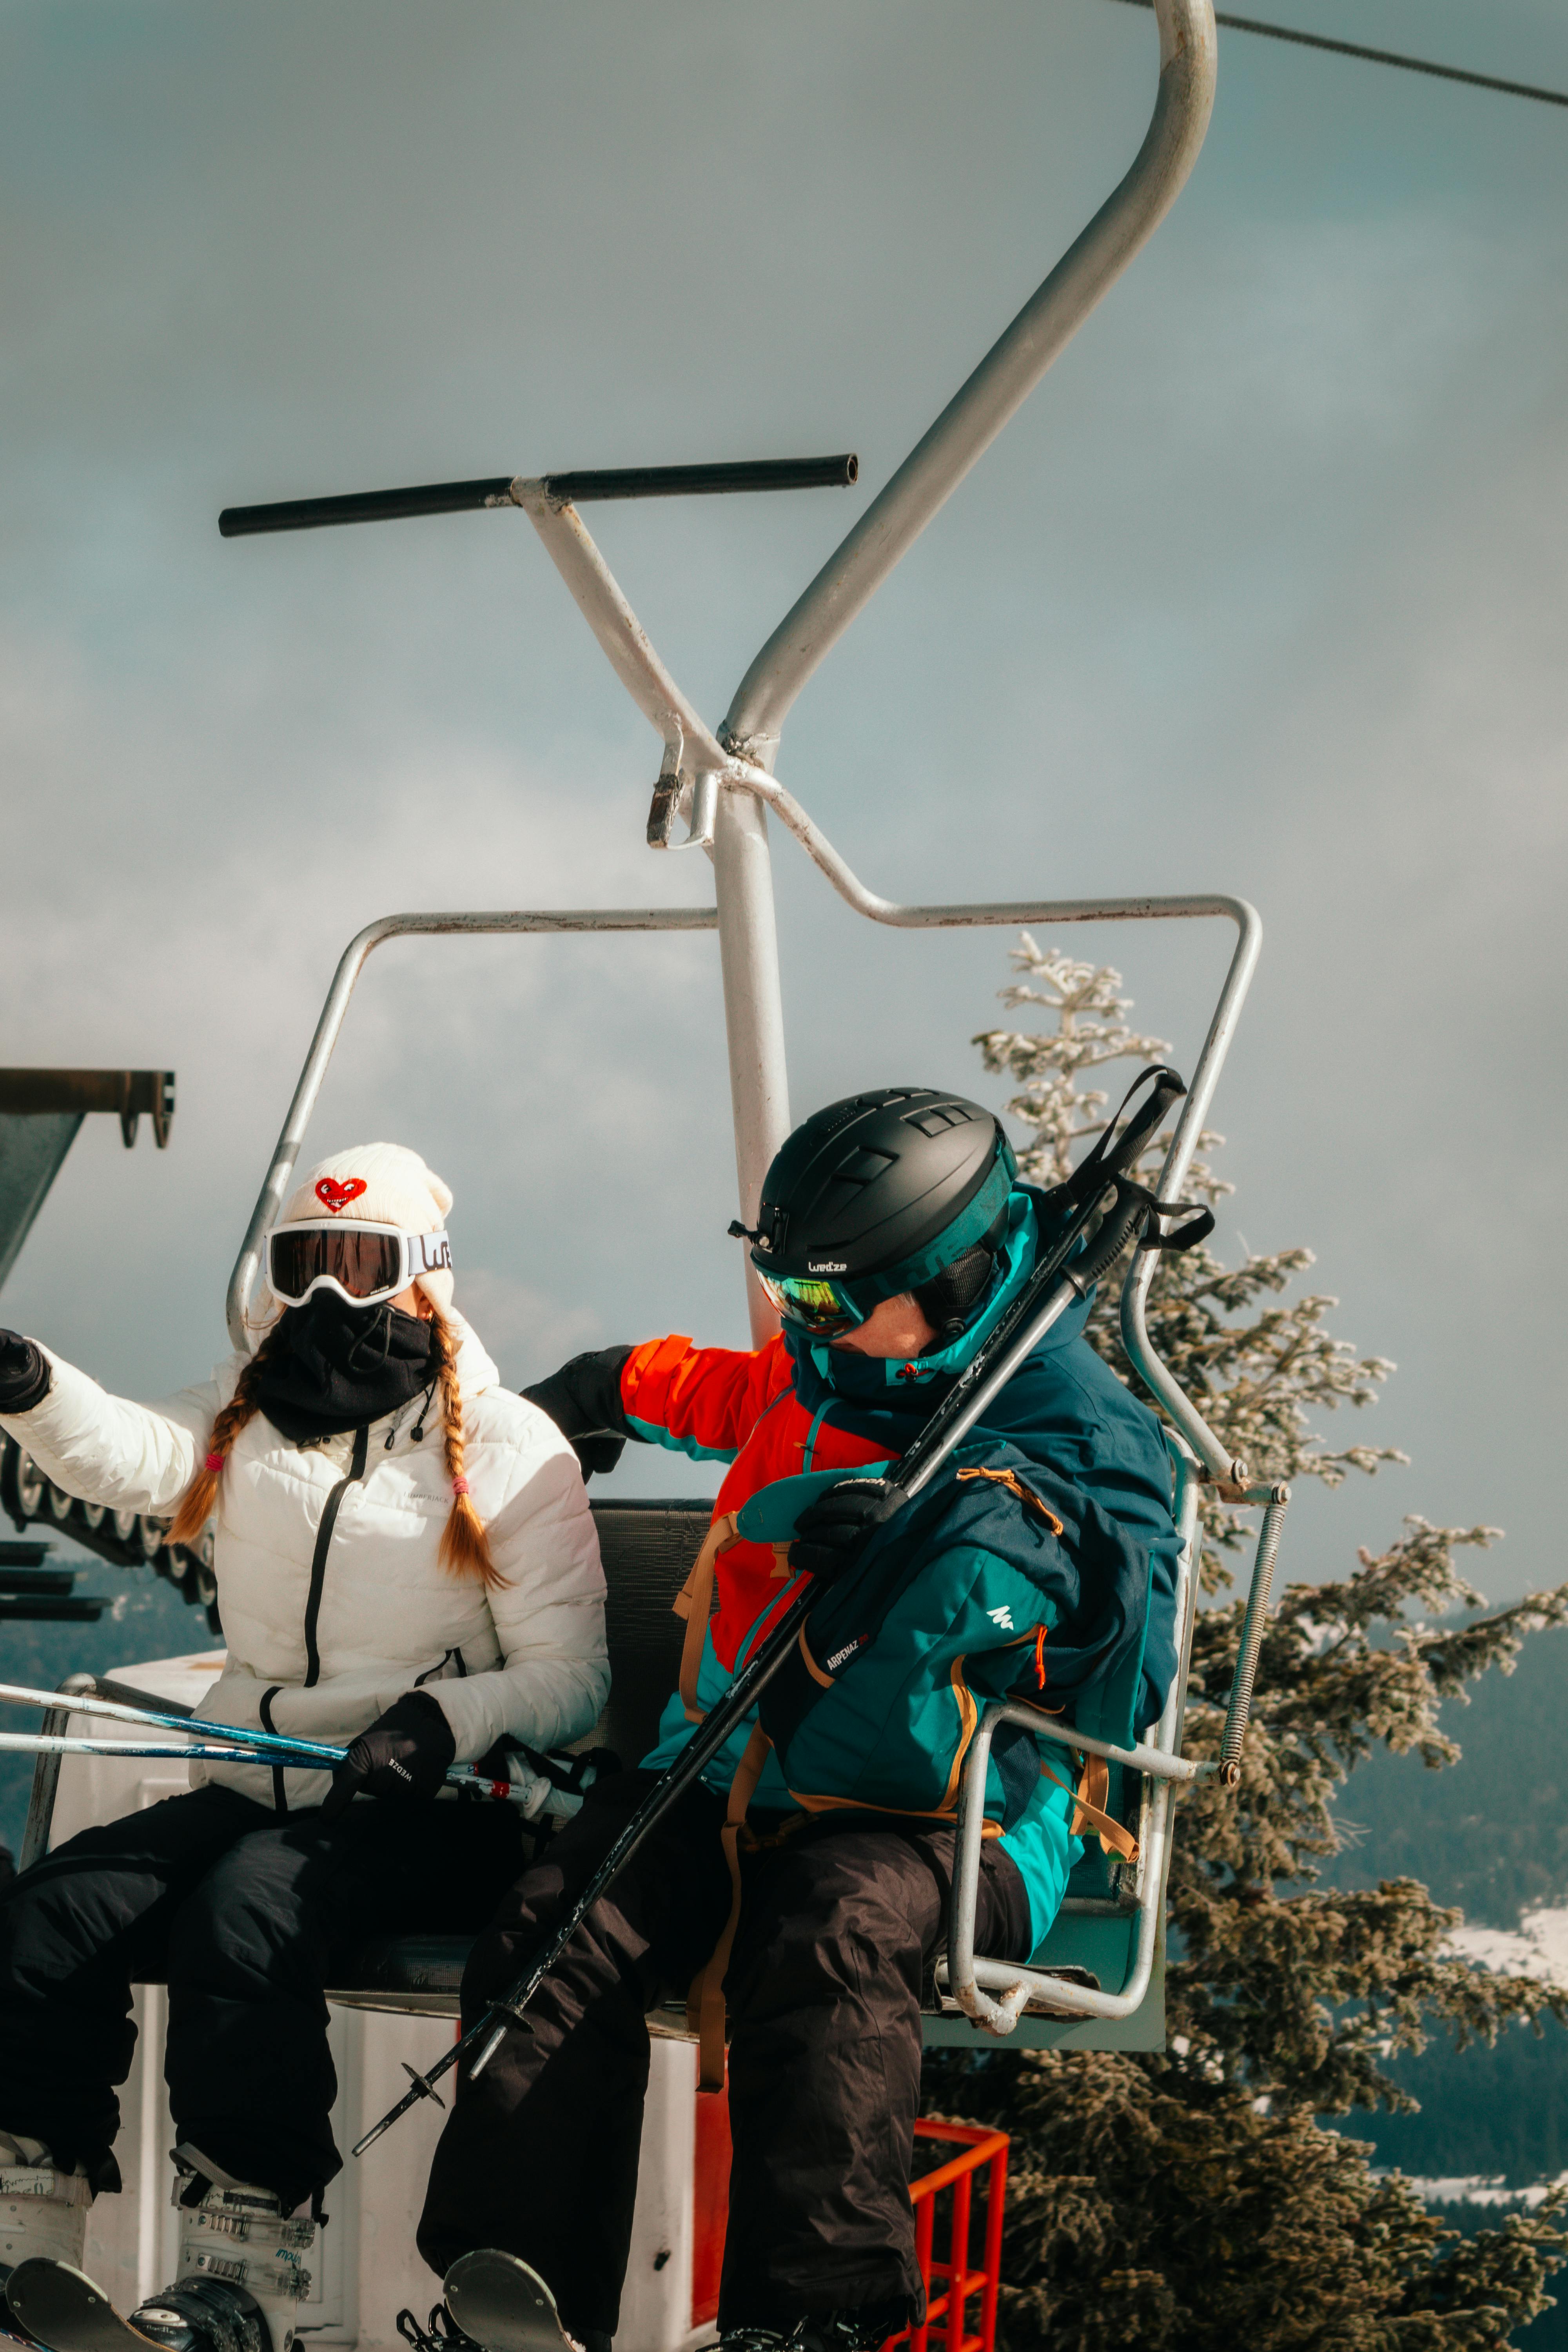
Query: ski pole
[268, 1747]
[700, 1750]
[51, 1743]
[122, 1711]
[1051, 1289]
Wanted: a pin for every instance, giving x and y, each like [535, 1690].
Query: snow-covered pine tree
[1192, 2201]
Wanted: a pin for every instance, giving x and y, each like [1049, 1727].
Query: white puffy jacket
[324, 1634]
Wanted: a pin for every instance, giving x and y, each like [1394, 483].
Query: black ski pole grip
[1116, 1230]
[1146, 1121]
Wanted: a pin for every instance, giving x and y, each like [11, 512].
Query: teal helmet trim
[851, 1371]
[972, 1225]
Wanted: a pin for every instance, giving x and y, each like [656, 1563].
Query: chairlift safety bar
[972, 1981]
[1218, 1462]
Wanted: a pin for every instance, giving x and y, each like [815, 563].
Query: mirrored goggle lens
[817, 1307]
[363, 1263]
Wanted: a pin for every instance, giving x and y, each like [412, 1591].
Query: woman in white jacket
[405, 1561]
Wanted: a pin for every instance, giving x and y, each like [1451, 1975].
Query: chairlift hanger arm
[933, 471]
[695, 760]
[596, 594]
[997, 387]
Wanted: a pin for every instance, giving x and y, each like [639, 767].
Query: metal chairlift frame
[722, 781]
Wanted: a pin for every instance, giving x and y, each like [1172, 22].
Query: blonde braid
[464, 1545]
[197, 1502]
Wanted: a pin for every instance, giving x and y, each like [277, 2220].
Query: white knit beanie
[380, 1184]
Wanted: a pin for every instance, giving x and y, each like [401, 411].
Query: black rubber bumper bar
[612, 482]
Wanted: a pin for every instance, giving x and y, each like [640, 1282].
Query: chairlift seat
[648, 1548]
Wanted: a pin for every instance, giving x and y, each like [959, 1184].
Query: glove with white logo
[404, 1753]
[831, 1533]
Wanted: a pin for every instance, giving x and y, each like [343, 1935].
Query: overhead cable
[1381, 57]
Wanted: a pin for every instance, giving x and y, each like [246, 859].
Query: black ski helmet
[882, 1194]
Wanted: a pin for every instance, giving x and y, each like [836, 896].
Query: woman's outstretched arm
[103, 1448]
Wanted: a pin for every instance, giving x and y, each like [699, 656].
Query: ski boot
[241, 2277]
[243, 2271]
[43, 2214]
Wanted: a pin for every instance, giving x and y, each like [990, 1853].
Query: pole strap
[694, 1601]
[705, 1999]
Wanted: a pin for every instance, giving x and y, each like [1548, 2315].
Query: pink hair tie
[214, 1460]
[460, 1485]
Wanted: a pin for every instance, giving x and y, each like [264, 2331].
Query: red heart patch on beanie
[335, 1196]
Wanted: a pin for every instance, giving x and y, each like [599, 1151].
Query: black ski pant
[841, 1922]
[247, 1914]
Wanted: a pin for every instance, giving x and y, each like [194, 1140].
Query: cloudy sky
[1263, 593]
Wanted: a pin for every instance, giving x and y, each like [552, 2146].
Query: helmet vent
[864, 1167]
[933, 1122]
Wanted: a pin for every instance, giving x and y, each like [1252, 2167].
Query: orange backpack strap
[694, 1601]
[705, 2000]
[1088, 1808]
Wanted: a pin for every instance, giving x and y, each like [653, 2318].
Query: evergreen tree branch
[1189, 2200]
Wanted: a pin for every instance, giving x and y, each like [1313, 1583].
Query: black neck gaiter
[334, 1367]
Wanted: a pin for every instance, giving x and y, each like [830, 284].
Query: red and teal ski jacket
[1096, 1598]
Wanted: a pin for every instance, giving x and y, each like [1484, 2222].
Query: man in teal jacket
[893, 1236]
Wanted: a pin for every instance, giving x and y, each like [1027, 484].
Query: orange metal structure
[951, 2282]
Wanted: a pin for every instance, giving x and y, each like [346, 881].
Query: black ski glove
[583, 1401]
[832, 1532]
[403, 1754]
[25, 1373]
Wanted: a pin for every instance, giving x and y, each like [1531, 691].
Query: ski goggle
[367, 1265]
[812, 1303]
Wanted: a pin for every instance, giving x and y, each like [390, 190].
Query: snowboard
[60, 2308]
[496, 2299]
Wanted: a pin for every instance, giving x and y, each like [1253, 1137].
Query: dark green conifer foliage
[1192, 2201]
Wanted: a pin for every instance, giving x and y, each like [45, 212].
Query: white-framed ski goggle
[365, 1264]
